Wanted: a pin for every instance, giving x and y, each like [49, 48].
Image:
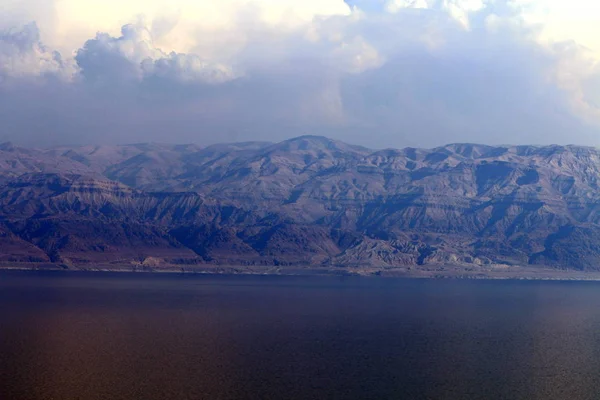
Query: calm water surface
[118, 336]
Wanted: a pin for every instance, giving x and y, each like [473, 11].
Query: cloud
[181, 24]
[578, 72]
[379, 73]
[460, 10]
[476, 86]
[134, 57]
[22, 55]
[397, 5]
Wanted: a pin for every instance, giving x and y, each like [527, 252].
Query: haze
[377, 73]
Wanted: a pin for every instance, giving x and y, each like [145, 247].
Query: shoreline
[451, 272]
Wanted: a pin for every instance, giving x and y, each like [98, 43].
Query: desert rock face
[304, 201]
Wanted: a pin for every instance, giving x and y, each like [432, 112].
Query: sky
[379, 73]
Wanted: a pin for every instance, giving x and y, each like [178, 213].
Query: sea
[167, 336]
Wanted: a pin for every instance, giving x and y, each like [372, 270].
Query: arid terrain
[305, 204]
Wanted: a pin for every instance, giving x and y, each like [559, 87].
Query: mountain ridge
[305, 201]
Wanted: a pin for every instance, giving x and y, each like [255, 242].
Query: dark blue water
[118, 336]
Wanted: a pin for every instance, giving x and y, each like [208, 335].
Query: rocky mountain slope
[305, 201]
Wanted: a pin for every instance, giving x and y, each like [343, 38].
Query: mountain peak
[310, 139]
[315, 142]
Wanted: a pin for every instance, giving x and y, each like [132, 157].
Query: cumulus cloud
[458, 9]
[379, 73]
[22, 55]
[134, 57]
[356, 55]
[187, 68]
[396, 5]
[578, 72]
[181, 25]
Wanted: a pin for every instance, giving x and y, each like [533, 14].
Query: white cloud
[559, 20]
[356, 56]
[578, 72]
[188, 68]
[67, 24]
[134, 57]
[460, 10]
[22, 55]
[397, 5]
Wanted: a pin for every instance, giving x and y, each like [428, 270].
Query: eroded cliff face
[304, 201]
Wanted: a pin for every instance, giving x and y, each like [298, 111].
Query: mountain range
[304, 202]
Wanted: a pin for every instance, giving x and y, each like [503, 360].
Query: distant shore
[434, 272]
